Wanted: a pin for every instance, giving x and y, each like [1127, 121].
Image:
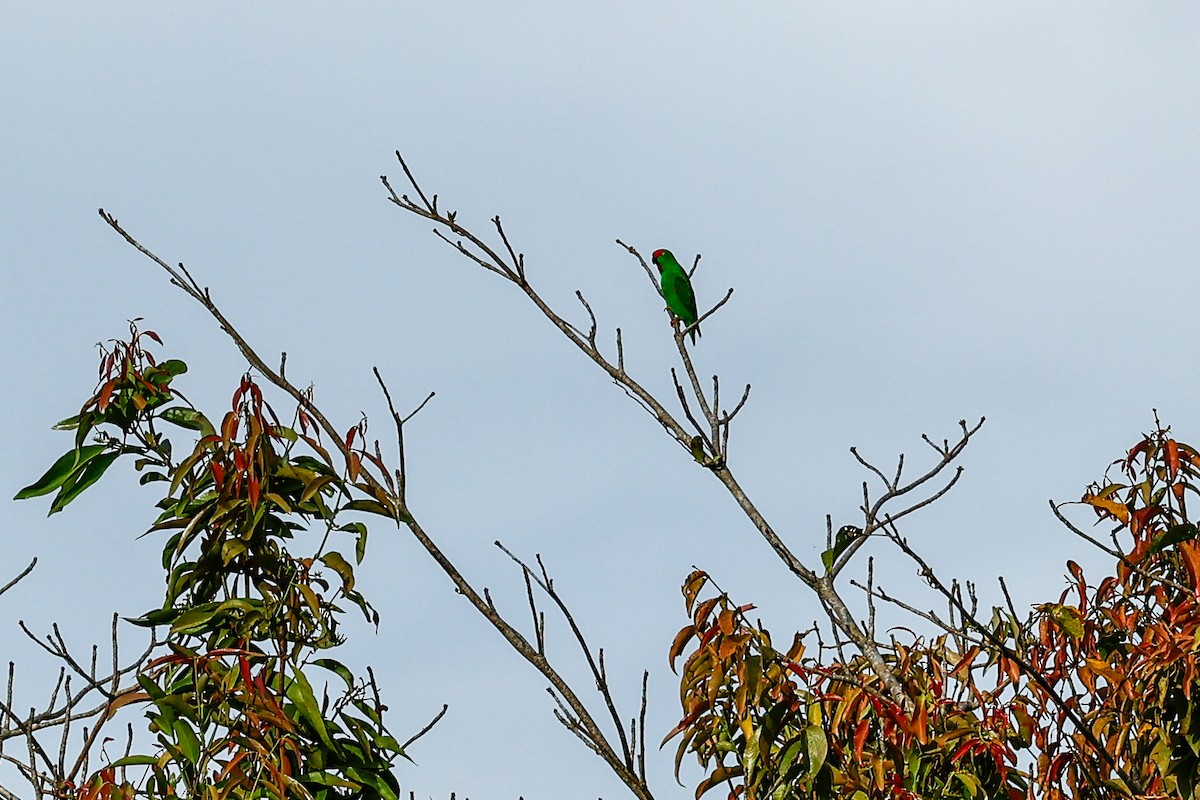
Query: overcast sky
[929, 212]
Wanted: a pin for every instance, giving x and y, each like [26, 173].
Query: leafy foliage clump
[255, 576]
[775, 724]
[1126, 651]
[1092, 696]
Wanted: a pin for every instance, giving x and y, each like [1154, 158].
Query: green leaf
[818, 748]
[83, 477]
[300, 692]
[370, 506]
[337, 668]
[721, 774]
[68, 424]
[370, 613]
[1068, 619]
[231, 549]
[85, 425]
[791, 751]
[188, 742]
[152, 688]
[308, 462]
[173, 367]
[58, 473]
[312, 485]
[189, 418]
[360, 546]
[327, 779]
[376, 781]
[753, 678]
[845, 536]
[159, 616]
[970, 783]
[243, 604]
[193, 621]
[1173, 535]
[134, 761]
[751, 752]
[338, 564]
[385, 742]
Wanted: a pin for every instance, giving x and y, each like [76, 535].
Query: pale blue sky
[929, 211]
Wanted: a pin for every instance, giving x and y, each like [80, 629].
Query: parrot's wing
[687, 298]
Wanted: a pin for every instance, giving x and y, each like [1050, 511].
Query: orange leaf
[124, 699]
[1112, 507]
[1191, 559]
[921, 723]
[700, 617]
[1172, 458]
[692, 586]
[681, 639]
[965, 661]
[728, 648]
[229, 427]
[796, 652]
[106, 394]
[725, 621]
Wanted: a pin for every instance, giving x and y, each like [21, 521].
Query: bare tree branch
[581, 718]
[483, 254]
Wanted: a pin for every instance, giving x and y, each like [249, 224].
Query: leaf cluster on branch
[254, 522]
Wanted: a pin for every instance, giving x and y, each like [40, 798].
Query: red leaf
[860, 737]
[960, 751]
[1057, 764]
[244, 668]
[1134, 451]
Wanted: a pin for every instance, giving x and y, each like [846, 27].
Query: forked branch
[707, 445]
[582, 721]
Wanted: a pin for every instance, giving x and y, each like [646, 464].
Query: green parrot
[677, 289]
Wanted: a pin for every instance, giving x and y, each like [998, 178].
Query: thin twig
[17, 579]
[427, 728]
